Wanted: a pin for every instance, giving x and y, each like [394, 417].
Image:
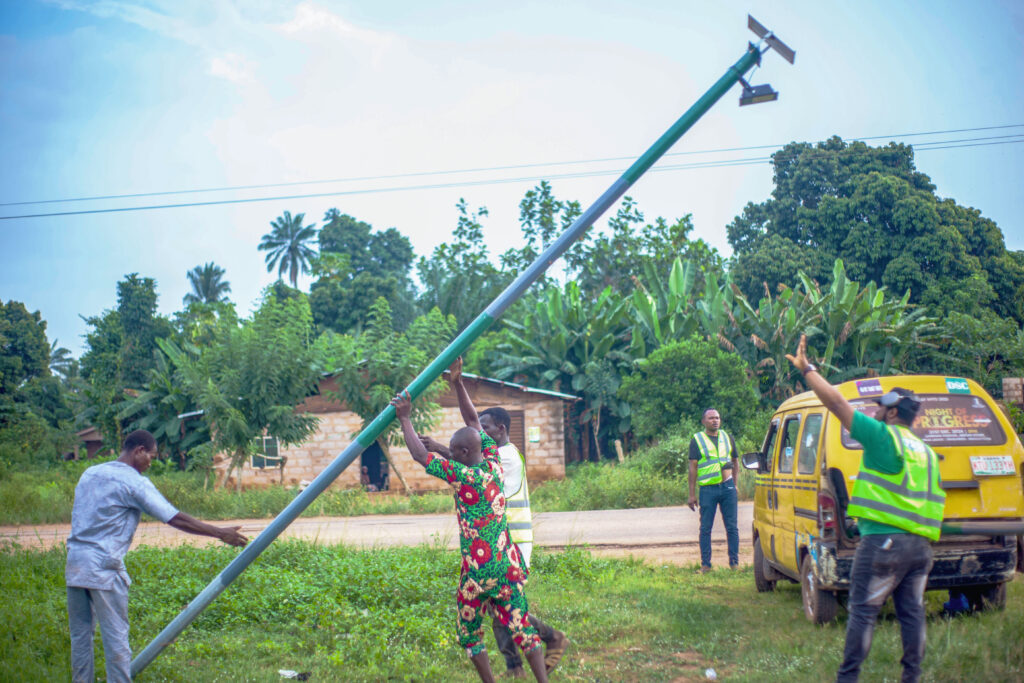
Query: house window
[265, 453]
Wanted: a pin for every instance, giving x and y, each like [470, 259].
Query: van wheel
[761, 580]
[820, 606]
[988, 597]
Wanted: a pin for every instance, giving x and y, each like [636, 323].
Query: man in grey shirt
[109, 499]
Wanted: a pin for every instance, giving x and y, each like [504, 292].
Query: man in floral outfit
[491, 578]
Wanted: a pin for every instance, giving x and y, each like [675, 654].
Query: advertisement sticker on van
[871, 387]
[956, 385]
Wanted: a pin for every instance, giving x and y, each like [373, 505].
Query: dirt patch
[680, 554]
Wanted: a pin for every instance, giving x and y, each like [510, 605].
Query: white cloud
[234, 67]
[312, 21]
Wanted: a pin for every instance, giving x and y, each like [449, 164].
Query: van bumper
[962, 563]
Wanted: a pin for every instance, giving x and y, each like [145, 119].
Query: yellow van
[807, 466]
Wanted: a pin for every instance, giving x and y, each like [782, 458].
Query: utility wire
[394, 176]
[749, 161]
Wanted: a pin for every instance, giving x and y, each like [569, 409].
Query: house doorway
[375, 464]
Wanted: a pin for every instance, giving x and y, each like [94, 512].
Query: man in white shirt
[109, 500]
[496, 422]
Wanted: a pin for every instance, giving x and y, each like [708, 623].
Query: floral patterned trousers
[502, 597]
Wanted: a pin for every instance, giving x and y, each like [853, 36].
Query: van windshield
[945, 420]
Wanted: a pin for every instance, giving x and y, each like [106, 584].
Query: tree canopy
[24, 351]
[250, 382]
[872, 208]
[357, 266]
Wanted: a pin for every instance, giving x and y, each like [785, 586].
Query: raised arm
[469, 415]
[403, 409]
[434, 446]
[826, 393]
[191, 525]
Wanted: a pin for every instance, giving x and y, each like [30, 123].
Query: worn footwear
[517, 672]
[705, 569]
[553, 652]
[734, 567]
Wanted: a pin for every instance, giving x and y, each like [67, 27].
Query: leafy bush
[27, 440]
[681, 380]
[608, 486]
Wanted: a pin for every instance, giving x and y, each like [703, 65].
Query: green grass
[387, 614]
[45, 496]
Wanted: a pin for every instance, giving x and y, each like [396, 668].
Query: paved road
[666, 533]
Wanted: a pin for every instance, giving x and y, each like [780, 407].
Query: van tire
[761, 580]
[988, 597]
[820, 606]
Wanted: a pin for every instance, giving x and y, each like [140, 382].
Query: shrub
[681, 380]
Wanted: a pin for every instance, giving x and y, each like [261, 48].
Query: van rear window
[945, 420]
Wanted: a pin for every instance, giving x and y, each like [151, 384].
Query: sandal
[553, 653]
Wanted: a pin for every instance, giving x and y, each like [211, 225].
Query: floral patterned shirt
[487, 549]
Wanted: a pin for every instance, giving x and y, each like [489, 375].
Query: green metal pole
[439, 364]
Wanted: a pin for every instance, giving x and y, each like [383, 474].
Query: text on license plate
[992, 464]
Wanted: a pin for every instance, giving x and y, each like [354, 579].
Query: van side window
[808, 457]
[768, 448]
[787, 451]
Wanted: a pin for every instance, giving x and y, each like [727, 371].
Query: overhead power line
[748, 161]
[483, 169]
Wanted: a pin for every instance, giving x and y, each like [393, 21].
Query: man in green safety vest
[713, 467]
[898, 501]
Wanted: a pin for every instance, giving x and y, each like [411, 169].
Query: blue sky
[113, 97]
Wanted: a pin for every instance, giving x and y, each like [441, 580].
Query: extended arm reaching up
[826, 393]
[466, 407]
[403, 409]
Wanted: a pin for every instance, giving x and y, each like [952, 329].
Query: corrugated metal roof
[522, 387]
[513, 385]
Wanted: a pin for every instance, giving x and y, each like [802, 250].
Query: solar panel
[755, 26]
[769, 37]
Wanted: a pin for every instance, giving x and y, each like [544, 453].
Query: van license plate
[991, 464]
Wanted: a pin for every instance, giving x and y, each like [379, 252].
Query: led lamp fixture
[755, 94]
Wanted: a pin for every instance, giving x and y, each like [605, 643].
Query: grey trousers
[86, 606]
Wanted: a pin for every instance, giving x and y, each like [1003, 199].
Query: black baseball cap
[899, 396]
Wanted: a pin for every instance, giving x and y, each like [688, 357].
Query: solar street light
[755, 94]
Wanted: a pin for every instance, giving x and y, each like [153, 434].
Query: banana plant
[573, 345]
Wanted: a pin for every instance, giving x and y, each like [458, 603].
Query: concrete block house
[538, 429]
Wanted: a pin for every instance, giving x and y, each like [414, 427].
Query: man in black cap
[899, 504]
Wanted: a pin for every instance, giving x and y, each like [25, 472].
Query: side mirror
[752, 461]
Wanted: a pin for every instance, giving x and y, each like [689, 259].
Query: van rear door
[979, 460]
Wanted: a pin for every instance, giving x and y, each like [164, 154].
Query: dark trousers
[508, 647]
[887, 564]
[723, 497]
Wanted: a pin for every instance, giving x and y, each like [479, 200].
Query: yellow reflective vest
[912, 500]
[713, 456]
[517, 507]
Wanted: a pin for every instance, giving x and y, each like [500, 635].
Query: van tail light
[826, 514]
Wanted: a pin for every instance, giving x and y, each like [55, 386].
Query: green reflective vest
[713, 456]
[517, 509]
[912, 500]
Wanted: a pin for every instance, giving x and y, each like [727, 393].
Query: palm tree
[287, 246]
[61, 362]
[207, 285]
